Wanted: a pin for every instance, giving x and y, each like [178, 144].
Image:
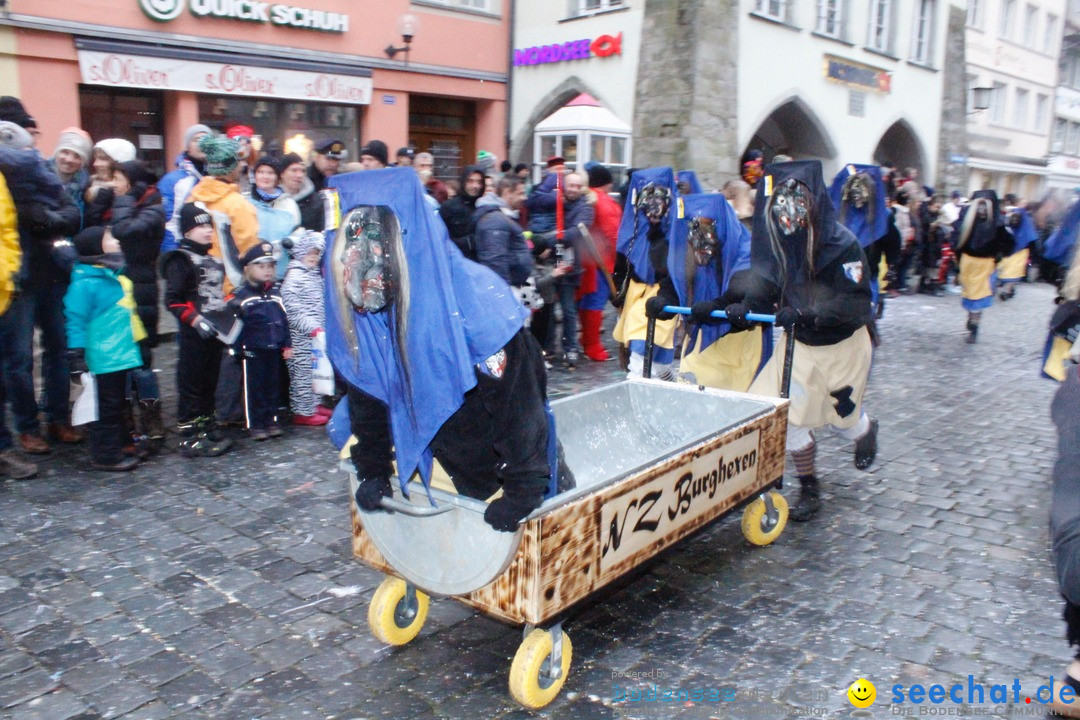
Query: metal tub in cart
[654, 462]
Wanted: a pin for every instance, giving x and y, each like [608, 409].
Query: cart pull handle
[650, 330]
[405, 508]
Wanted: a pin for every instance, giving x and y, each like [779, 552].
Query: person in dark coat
[138, 222]
[458, 211]
[500, 244]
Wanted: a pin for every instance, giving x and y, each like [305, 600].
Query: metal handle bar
[720, 314]
[406, 508]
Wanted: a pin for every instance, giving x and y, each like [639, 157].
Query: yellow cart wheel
[761, 527]
[531, 683]
[395, 614]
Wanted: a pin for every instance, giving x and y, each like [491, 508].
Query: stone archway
[521, 146]
[899, 147]
[793, 129]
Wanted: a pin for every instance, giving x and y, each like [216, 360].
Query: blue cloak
[460, 313]
[1059, 245]
[634, 222]
[734, 256]
[858, 221]
[1026, 233]
[690, 178]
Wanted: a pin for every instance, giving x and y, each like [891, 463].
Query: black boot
[973, 333]
[202, 438]
[150, 425]
[809, 499]
[866, 447]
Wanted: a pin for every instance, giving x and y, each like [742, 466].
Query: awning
[583, 113]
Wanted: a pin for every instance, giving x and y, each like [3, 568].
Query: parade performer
[859, 196]
[688, 183]
[750, 167]
[1063, 342]
[433, 349]
[597, 262]
[810, 270]
[645, 233]
[709, 263]
[980, 240]
[1013, 268]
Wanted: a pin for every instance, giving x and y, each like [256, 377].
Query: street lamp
[408, 25]
[980, 98]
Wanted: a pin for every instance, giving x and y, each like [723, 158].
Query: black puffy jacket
[138, 222]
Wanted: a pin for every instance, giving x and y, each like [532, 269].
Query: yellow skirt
[1014, 267]
[1056, 365]
[728, 364]
[817, 372]
[633, 322]
[975, 277]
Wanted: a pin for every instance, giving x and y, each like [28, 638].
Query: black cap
[331, 148]
[12, 110]
[191, 216]
[263, 252]
[290, 159]
[376, 149]
[271, 162]
[88, 242]
[599, 176]
[404, 152]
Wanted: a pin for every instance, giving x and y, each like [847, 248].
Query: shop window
[135, 115]
[445, 127]
[281, 126]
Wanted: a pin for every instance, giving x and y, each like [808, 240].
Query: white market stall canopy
[583, 113]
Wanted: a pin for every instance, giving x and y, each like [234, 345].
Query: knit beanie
[120, 150]
[271, 162]
[290, 159]
[15, 136]
[88, 242]
[77, 141]
[12, 110]
[376, 149]
[237, 131]
[191, 216]
[193, 131]
[220, 154]
[599, 176]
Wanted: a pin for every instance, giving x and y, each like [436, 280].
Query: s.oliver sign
[135, 71]
[603, 46]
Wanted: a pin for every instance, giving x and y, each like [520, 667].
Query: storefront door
[135, 115]
[446, 128]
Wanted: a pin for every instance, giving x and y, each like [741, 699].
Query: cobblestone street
[225, 588]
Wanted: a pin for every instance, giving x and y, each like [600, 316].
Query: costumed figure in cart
[980, 240]
[709, 265]
[811, 269]
[645, 233]
[433, 350]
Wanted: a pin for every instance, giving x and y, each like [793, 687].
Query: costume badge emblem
[496, 364]
[854, 271]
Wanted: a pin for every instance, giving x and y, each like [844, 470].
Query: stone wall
[953, 138]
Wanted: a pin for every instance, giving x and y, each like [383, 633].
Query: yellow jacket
[10, 250]
[224, 198]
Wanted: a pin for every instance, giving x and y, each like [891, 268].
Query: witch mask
[654, 201]
[703, 240]
[364, 259]
[791, 206]
[857, 191]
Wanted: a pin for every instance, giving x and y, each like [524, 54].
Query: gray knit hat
[193, 131]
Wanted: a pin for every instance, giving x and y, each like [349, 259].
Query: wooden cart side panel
[571, 545]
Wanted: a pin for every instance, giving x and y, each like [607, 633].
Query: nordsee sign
[603, 46]
[248, 10]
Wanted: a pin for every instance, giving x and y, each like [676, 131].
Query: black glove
[370, 491]
[790, 317]
[43, 220]
[701, 312]
[205, 329]
[77, 362]
[654, 308]
[736, 315]
[506, 513]
[1065, 322]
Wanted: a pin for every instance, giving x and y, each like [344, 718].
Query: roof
[583, 113]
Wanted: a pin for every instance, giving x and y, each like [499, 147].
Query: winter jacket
[457, 213]
[278, 215]
[46, 215]
[310, 204]
[499, 242]
[101, 318]
[230, 210]
[541, 205]
[605, 233]
[262, 310]
[76, 189]
[175, 188]
[138, 222]
[575, 212]
[10, 250]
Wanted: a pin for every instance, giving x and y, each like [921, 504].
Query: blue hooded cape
[634, 221]
[690, 178]
[858, 221]
[1026, 233]
[460, 314]
[734, 256]
[1059, 245]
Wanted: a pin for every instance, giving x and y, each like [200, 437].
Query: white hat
[120, 150]
[15, 136]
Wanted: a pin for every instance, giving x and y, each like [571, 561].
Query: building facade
[1064, 159]
[702, 81]
[145, 70]
[1012, 52]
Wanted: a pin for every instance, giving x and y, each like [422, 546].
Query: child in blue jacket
[103, 332]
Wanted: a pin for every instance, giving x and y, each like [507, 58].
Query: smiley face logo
[862, 693]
